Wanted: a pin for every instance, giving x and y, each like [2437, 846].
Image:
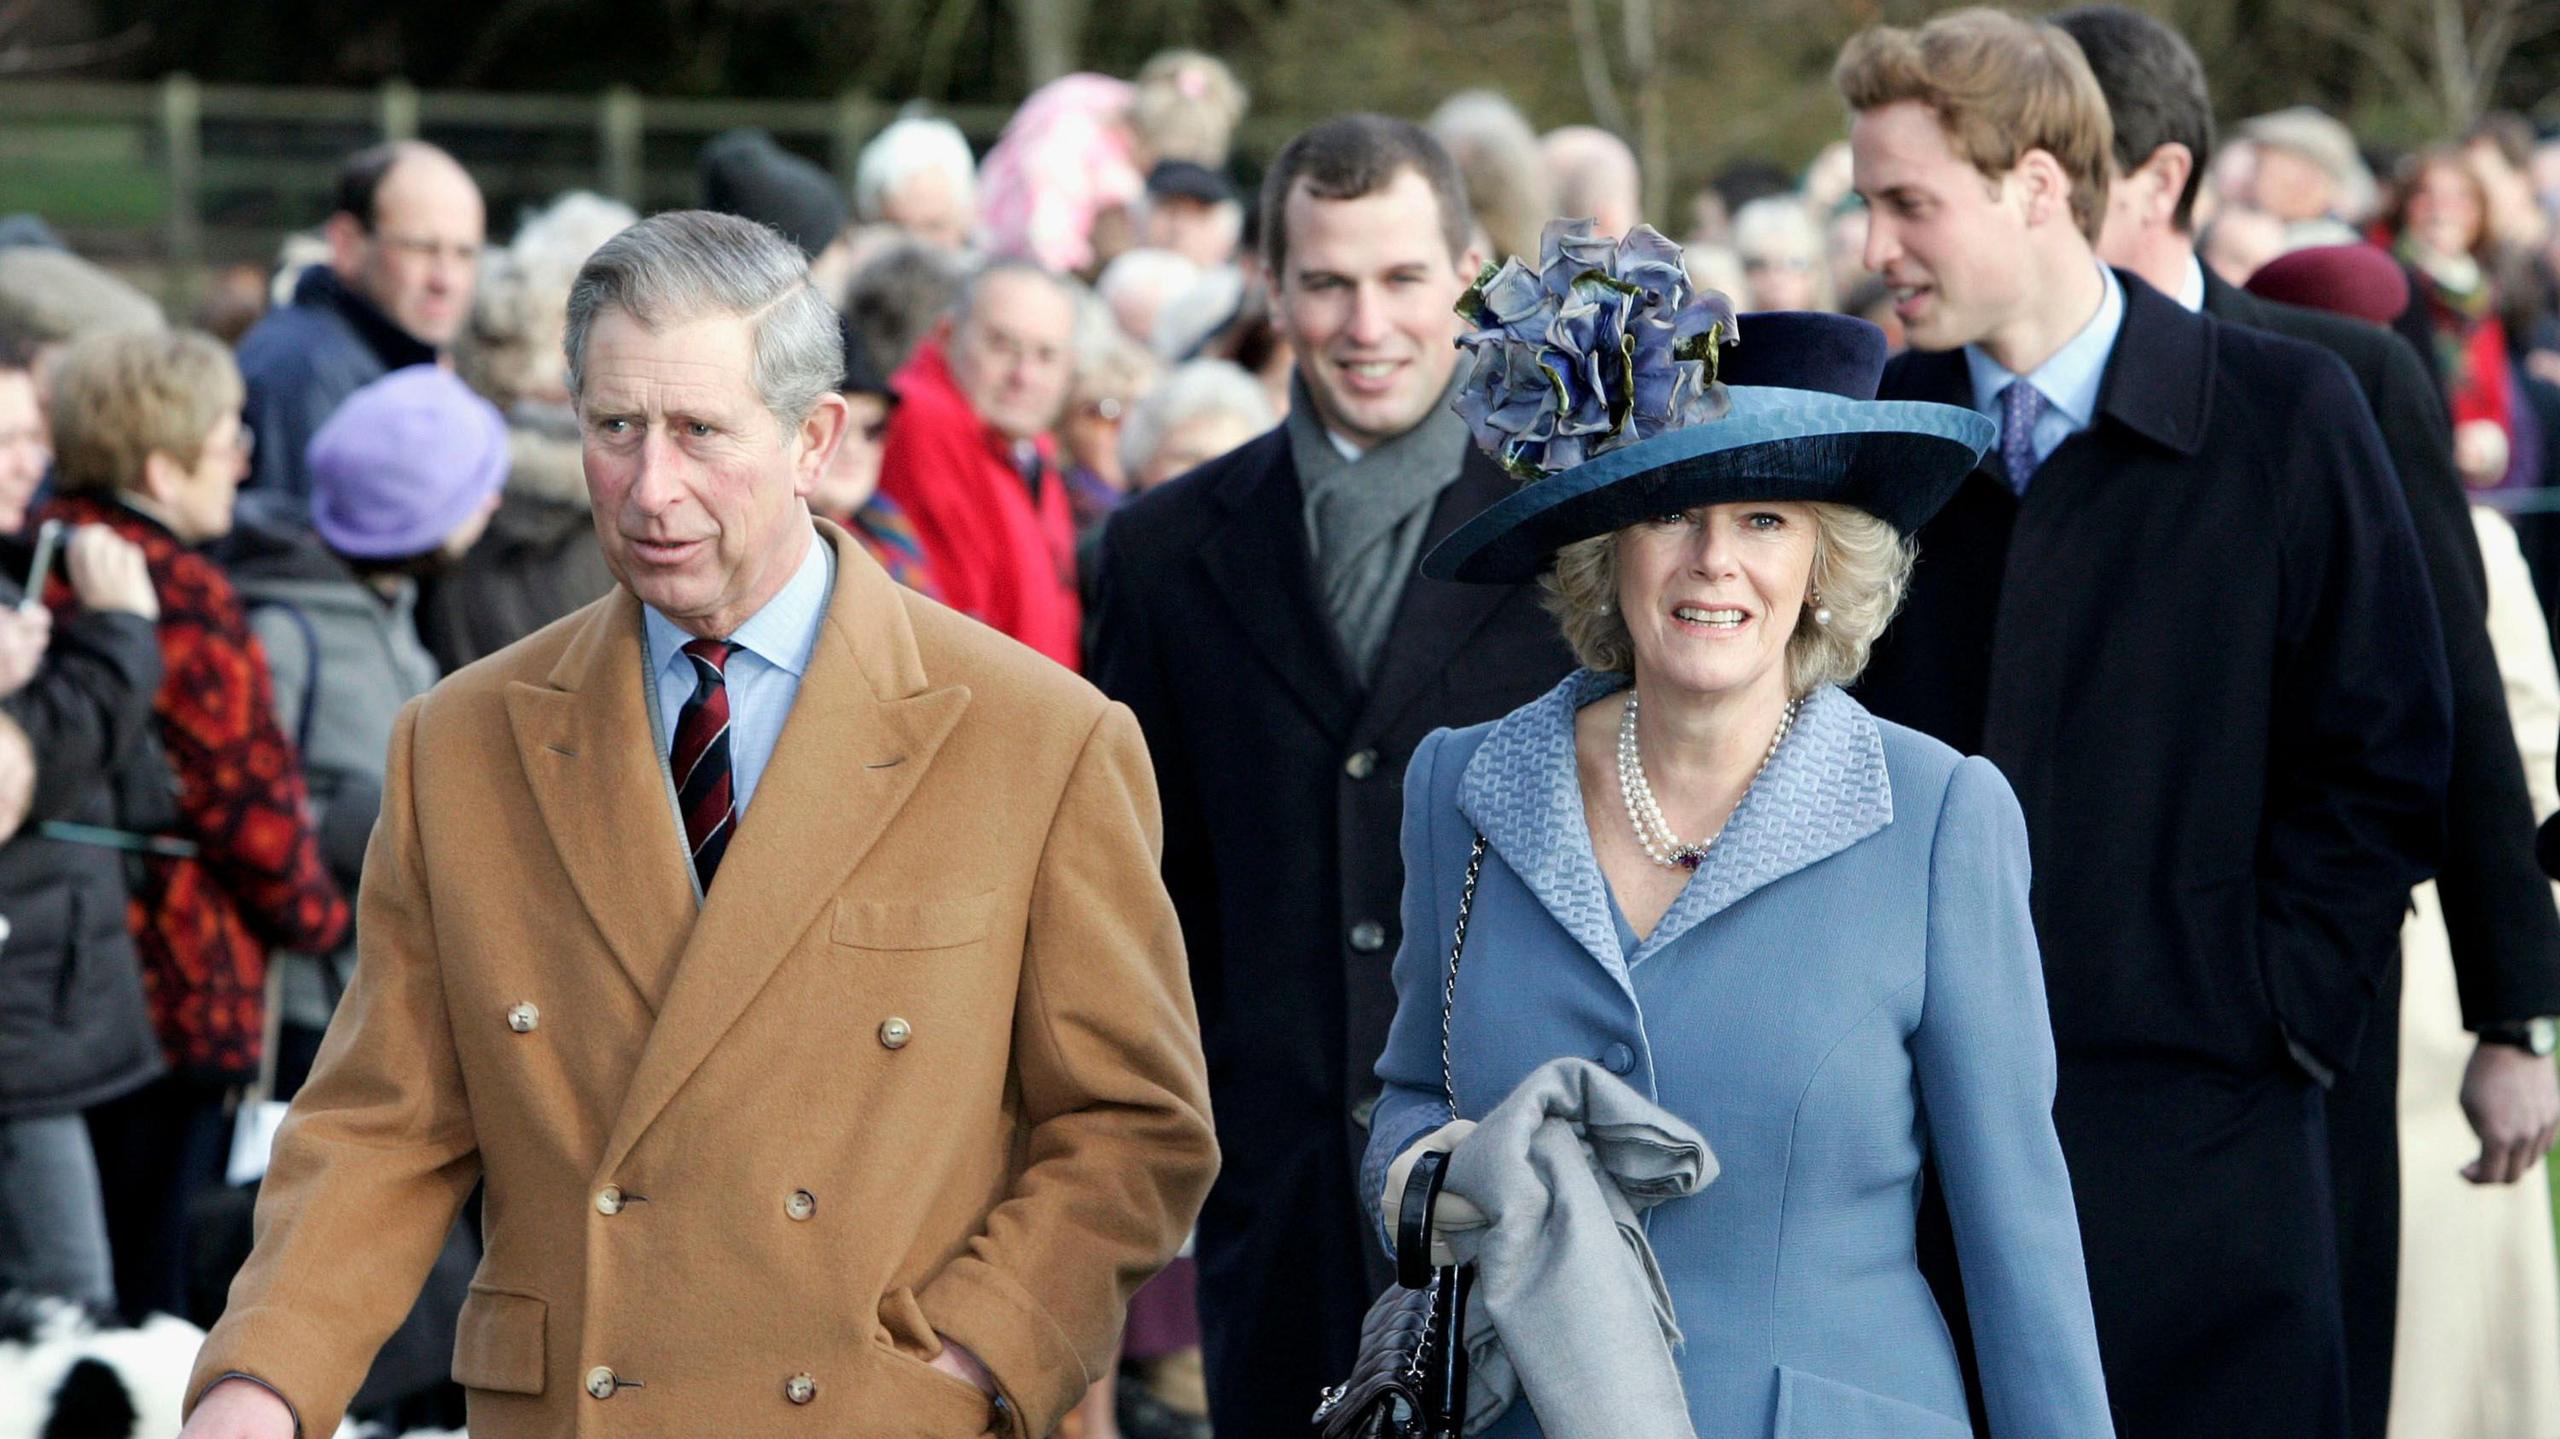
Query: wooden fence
[168, 180]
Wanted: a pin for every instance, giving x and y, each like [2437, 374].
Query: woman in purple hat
[404, 477]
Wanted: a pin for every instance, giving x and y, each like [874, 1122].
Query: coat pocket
[910, 1399]
[1812, 1407]
[497, 1341]
[924, 924]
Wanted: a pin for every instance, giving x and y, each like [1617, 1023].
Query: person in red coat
[148, 443]
[968, 456]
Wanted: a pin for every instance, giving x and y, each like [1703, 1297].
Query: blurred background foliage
[1723, 80]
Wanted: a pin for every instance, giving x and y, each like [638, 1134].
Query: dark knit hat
[747, 173]
[862, 374]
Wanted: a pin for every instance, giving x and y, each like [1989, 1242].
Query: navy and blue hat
[1621, 395]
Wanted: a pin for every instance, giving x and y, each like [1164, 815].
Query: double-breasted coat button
[1362, 764]
[801, 1204]
[1618, 1058]
[523, 1018]
[4, 929]
[895, 1032]
[609, 1199]
[601, 1383]
[1368, 936]
[799, 1388]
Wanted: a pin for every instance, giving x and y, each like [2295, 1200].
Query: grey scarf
[1570, 1307]
[1365, 517]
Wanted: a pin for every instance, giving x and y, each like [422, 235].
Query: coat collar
[1258, 563]
[1826, 789]
[591, 759]
[2159, 381]
[321, 288]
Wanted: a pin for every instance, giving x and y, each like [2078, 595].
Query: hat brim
[1899, 460]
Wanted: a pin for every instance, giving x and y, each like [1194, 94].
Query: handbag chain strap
[1449, 991]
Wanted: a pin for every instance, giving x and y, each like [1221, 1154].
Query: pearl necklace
[1660, 844]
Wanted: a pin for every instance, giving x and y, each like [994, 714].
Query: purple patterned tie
[700, 760]
[2021, 405]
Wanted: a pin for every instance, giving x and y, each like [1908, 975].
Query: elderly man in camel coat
[873, 1135]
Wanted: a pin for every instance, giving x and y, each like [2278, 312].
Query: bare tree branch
[2340, 23]
[1592, 50]
[39, 59]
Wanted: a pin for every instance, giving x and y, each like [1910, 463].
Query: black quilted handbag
[1410, 1381]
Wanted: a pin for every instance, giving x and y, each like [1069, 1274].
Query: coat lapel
[1436, 619]
[863, 731]
[1826, 789]
[1258, 566]
[590, 758]
[1522, 793]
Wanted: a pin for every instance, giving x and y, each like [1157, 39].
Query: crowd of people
[2231, 611]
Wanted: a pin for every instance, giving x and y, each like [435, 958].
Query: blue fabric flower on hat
[1602, 345]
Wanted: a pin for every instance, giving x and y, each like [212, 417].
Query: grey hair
[906, 149]
[965, 303]
[689, 264]
[1194, 390]
[1861, 568]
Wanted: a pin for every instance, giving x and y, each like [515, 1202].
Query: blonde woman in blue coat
[1800, 929]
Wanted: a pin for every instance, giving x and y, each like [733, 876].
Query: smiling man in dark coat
[2504, 930]
[1264, 618]
[2185, 612]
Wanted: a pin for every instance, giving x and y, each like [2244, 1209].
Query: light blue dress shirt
[2069, 380]
[763, 675]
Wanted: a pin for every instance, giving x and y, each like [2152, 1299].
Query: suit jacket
[2203, 651]
[2504, 930]
[1280, 776]
[1847, 985]
[923, 1061]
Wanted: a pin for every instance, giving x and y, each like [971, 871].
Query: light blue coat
[1847, 986]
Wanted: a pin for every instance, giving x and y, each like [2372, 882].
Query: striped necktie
[700, 760]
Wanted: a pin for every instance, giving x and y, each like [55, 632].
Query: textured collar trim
[1826, 789]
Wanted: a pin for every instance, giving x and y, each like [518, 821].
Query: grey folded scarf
[1569, 1307]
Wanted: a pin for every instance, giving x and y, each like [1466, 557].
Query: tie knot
[710, 656]
[2022, 403]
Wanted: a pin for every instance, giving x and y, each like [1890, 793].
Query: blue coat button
[1618, 1059]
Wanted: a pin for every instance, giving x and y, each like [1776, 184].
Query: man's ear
[2172, 164]
[347, 239]
[814, 445]
[2044, 186]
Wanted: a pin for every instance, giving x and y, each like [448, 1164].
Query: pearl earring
[1821, 611]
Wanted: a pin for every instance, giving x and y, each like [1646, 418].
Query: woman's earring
[1821, 611]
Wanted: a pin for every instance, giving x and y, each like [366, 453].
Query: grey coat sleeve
[1984, 1058]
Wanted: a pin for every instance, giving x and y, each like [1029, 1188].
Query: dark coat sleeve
[1127, 663]
[88, 706]
[2504, 930]
[2361, 745]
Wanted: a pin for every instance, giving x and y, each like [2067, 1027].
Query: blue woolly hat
[1621, 395]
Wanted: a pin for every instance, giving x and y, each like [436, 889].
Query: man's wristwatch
[2537, 1036]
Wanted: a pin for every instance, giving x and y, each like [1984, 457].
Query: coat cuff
[1037, 1373]
[282, 1354]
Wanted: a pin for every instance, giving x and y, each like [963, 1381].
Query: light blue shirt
[2069, 380]
[763, 674]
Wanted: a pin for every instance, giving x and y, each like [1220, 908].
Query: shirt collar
[783, 634]
[2069, 379]
[2191, 289]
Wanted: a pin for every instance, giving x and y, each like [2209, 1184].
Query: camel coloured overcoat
[925, 1061]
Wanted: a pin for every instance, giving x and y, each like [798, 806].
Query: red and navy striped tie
[700, 760]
